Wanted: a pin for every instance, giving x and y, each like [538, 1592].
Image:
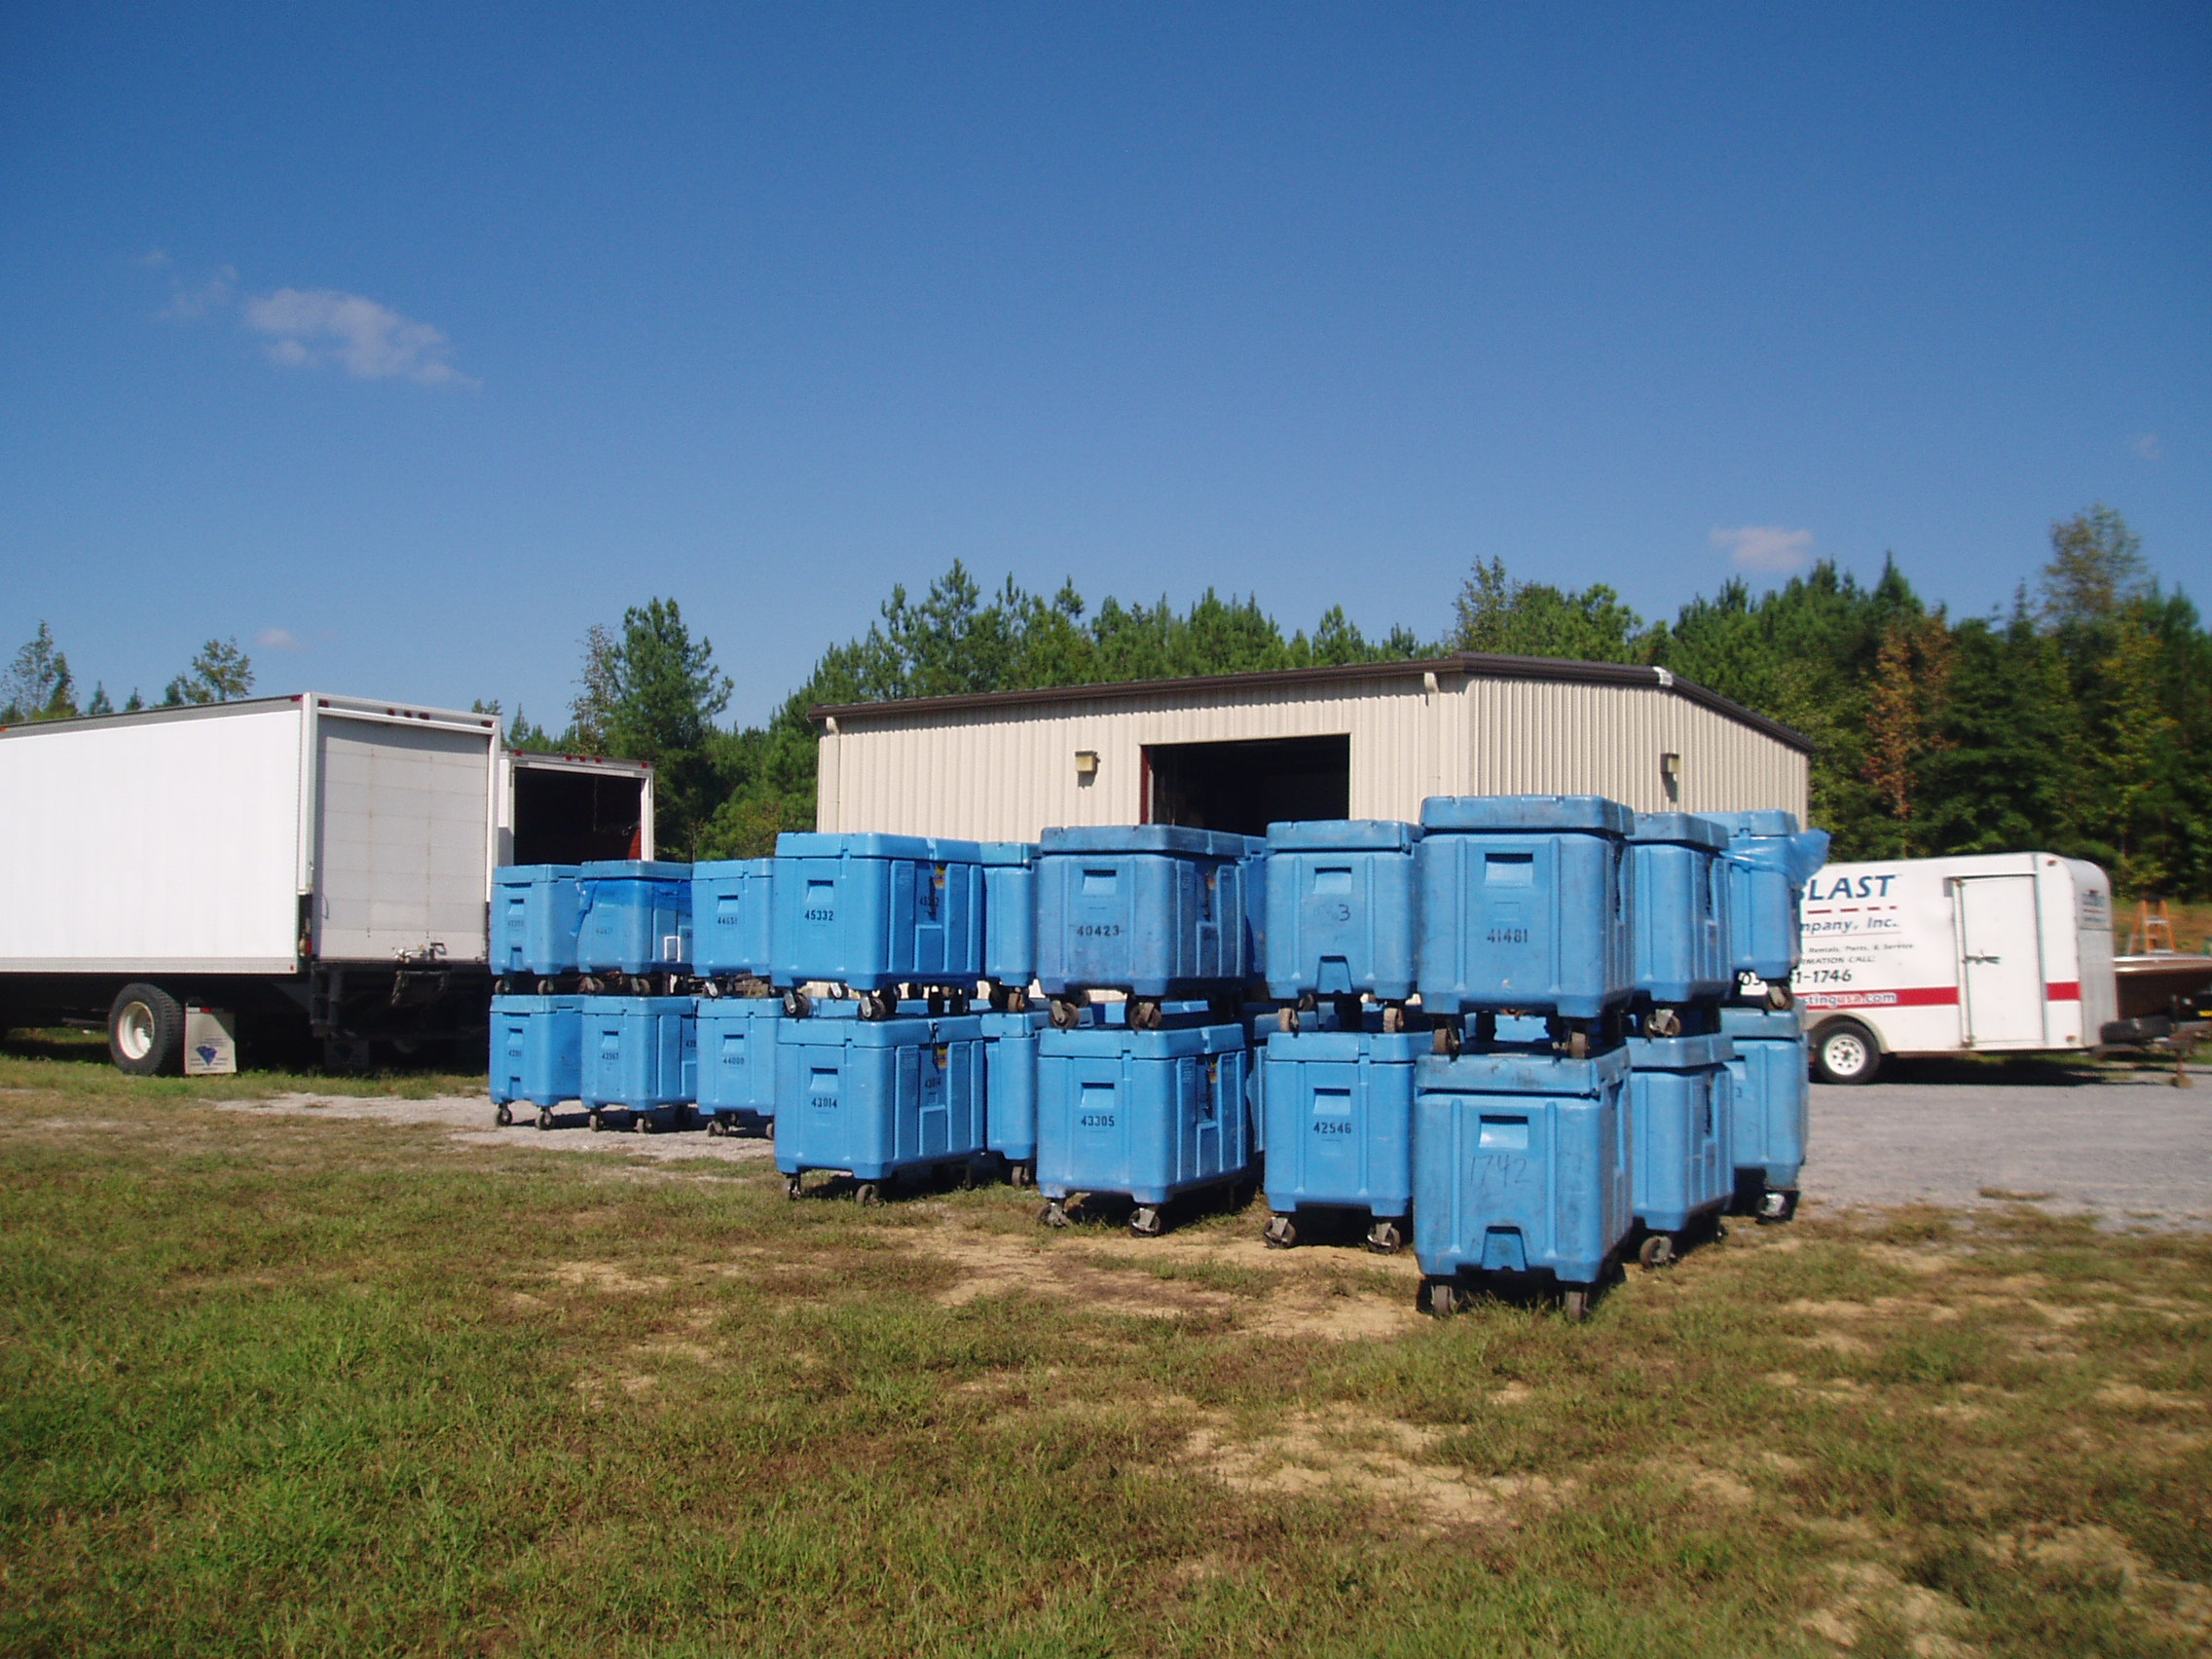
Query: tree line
[2078, 721]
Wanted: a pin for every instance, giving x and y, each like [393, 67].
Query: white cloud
[2146, 445]
[1766, 548]
[190, 305]
[278, 640]
[153, 259]
[313, 326]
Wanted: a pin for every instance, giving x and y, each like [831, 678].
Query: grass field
[278, 1385]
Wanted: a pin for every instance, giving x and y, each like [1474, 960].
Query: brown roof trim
[1472, 664]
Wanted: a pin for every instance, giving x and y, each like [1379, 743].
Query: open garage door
[1242, 787]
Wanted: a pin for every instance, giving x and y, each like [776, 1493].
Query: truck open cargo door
[400, 839]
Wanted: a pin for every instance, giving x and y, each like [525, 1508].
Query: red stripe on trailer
[1915, 996]
[2071, 991]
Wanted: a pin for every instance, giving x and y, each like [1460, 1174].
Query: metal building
[1354, 742]
[1238, 750]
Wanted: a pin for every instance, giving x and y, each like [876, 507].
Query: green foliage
[219, 673]
[37, 685]
[1508, 618]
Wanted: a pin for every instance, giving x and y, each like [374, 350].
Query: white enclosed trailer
[1994, 953]
[315, 862]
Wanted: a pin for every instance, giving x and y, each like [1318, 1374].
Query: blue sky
[405, 342]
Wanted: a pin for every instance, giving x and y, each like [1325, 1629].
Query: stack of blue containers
[1155, 1104]
[1680, 1085]
[870, 1081]
[1767, 863]
[611, 1026]
[1336, 1101]
[1522, 1146]
[737, 1010]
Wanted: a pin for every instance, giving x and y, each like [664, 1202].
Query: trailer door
[2000, 960]
[400, 840]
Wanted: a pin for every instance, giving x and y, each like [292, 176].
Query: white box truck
[321, 864]
[1995, 953]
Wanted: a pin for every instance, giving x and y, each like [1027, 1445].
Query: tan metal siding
[1006, 773]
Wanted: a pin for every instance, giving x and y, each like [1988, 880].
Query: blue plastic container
[534, 918]
[1679, 934]
[1524, 903]
[1521, 1164]
[737, 1056]
[730, 908]
[1150, 1114]
[536, 1049]
[1009, 1084]
[640, 1053]
[1768, 1100]
[1152, 909]
[1679, 1094]
[1339, 1115]
[633, 917]
[870, 911]
[873, 1098]
[1339, 909]
[1769, 861]
[1010, 912]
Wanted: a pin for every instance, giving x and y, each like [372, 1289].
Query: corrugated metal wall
[1006, 773]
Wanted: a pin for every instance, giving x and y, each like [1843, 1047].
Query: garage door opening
[1242, 787]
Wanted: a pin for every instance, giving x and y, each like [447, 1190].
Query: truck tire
[1845, 1052]
[145, 1031]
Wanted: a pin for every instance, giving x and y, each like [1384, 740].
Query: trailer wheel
[1845, 1052]
[145, 1031]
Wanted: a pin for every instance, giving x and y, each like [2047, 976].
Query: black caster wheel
[1386, 1238]
[1655, 1252]
[1393, 1018]
[1055, 1213]
[546, 987]
[1065, 1015]
[1145, 1222]
[868, 1195]
[1286, 1021]
[1023, 1174]
[1144, 1014]
[1574, 1303]
[1721, 1232]
[1443, 1298]
[1282, 1233]
[598, 1121]
[1446, 1041]
[502, 986]
[794, 1186]
[716, 1127]
[1777, 1206]
[503, 1114]
[1780, 998]
[797, 1005]
[545, 1117]
[1663, 1022]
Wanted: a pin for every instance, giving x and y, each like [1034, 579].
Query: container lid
[819, 844]
[741, 1007]
[635, 869]
[1530, 812]
[1150, 839]
[1026, 1024]
[1009, 852]
[1343, 835]
[901, 1031]
[536, 1005]
[1527, 1071]
[1777, 1024]
[728, 869]
[599, 1006]
[1765, 822]
[1107, 1042]
[1393, 1048]
[1680, 828]
[1679, 1053]
[515, 875]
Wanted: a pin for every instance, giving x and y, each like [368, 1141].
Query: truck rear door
[1999, 961]
[401, 840]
